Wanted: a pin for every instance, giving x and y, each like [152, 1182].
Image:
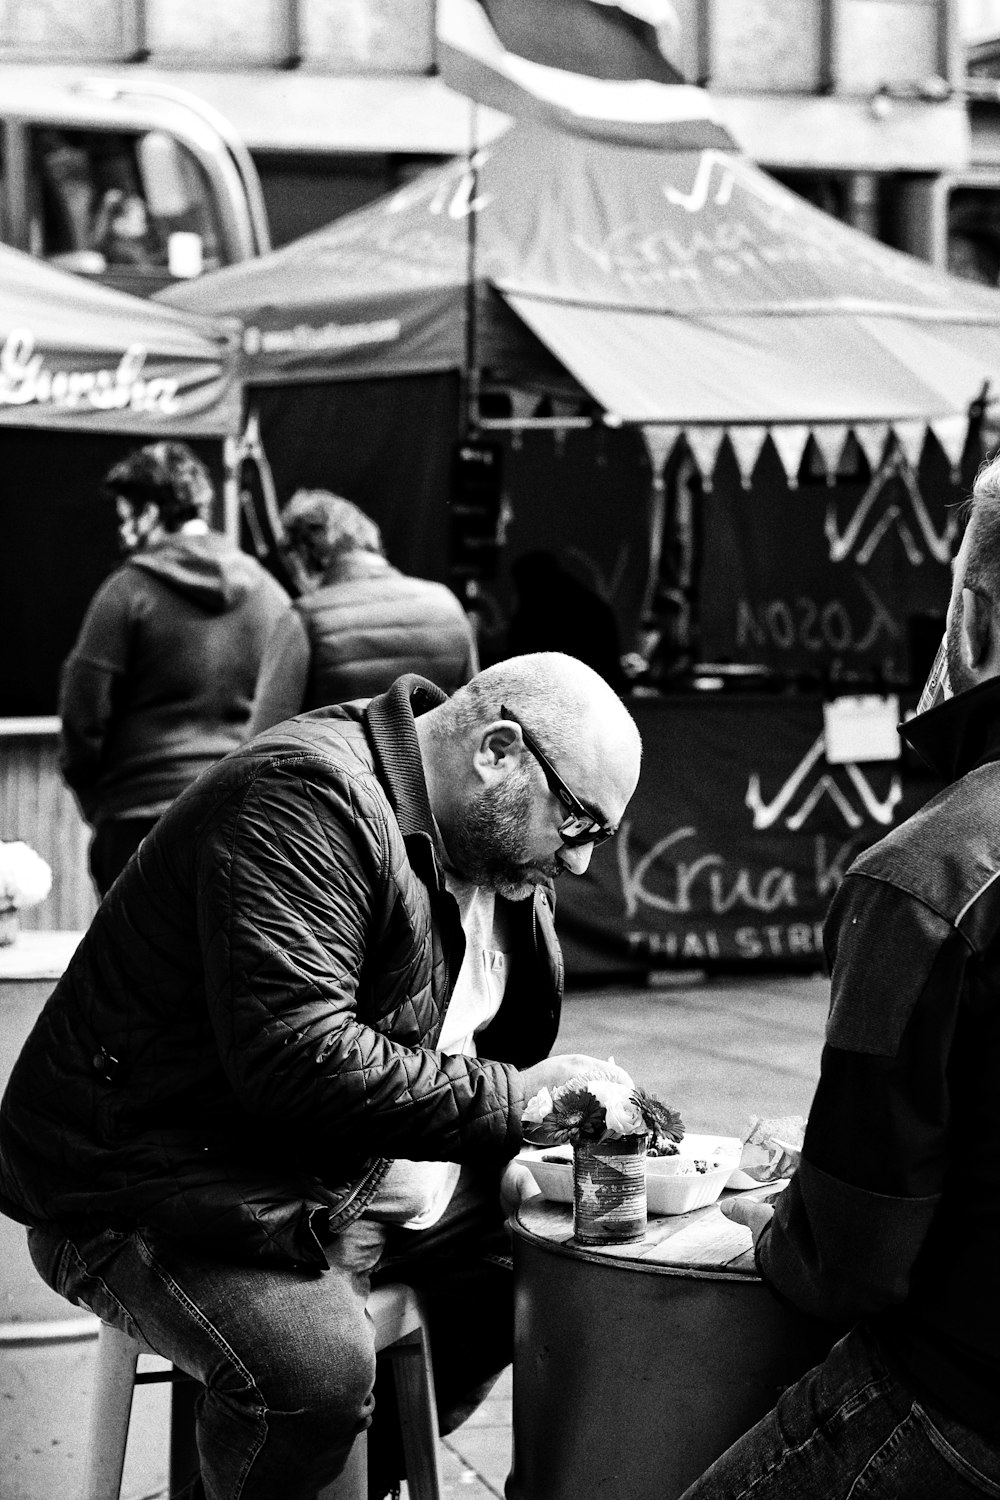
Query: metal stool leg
[184, 1463]
[115, 1377]
[401, 1334]
[114, 1382]
[411, 1367]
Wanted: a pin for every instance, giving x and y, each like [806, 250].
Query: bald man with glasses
[290, 1057]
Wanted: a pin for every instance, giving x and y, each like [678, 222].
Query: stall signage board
[861, 728]
[736, 839]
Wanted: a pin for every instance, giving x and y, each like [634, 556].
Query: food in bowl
[676, 1184]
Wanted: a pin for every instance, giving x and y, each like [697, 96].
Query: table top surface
[38, 954]
[702, 1242]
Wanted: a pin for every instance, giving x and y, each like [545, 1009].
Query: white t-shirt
[416, 1193]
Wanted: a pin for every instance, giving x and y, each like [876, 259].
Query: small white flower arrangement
[25, 878]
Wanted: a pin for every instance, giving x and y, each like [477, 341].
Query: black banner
[735, 841]
[828, 581]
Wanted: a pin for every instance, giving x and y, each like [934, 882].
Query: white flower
[25, 878]
[537, 1110]
[622, 1114]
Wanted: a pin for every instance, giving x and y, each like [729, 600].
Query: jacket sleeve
[86, 687]
[284, 675]
[847, 1231]
[294, 899]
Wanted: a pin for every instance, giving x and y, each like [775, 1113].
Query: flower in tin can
[538, 1108]
[622, 1115]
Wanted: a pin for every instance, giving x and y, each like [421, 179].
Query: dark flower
[580, 1115]
[666, 1127]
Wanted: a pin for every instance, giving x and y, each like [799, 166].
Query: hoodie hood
[207, 569]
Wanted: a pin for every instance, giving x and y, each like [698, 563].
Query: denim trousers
[849, 1428]
[286, 1356]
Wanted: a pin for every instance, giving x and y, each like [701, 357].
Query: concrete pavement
[717, 1050]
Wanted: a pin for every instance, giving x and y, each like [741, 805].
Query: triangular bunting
[704, 443]
[830, 439]
[790, 443]
[871, 438]
[566, 410]
[953, 434]
[911, 437]
[746, 443]
[660, 439]
[522, 404]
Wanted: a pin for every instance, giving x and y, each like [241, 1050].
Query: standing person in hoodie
[162, 677]
[360, 623]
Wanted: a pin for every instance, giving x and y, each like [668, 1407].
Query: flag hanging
[605, 70]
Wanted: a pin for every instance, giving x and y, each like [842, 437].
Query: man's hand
[749, 1211]
[551, 1072]
[516, 1186]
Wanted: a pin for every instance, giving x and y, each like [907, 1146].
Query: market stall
[740, 421]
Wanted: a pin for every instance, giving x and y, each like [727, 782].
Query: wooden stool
[400, 1333]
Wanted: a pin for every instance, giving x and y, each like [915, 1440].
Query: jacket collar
[393, 735]
[354, 565]
[959, 734]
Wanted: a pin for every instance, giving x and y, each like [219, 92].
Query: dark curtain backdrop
[57, 543]
[584, 496]
[385, 444]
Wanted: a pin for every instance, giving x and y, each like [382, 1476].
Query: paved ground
[717, 1050]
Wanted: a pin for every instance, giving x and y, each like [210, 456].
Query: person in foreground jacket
[161, 679]
[293, 1049]
[360, 623]
[890, 1227]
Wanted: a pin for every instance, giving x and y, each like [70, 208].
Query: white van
[134, 183]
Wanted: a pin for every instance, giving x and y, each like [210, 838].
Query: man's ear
[979, 636]
[498, 751]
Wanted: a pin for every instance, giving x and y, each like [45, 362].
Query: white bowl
[673, 1184]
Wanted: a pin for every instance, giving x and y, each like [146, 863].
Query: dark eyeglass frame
[594, 831]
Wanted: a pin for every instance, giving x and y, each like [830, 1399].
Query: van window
[124, 207]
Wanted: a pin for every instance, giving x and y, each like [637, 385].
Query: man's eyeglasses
[580, 827]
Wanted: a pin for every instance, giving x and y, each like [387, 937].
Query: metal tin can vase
[609, 1191]
[10, 926]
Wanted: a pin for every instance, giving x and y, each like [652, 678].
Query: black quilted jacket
[242, 1039]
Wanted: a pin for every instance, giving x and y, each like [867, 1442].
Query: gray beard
[490, 845]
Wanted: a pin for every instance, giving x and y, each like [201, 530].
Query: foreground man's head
[528, 766]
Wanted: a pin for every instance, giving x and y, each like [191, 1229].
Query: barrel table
[636, 1366]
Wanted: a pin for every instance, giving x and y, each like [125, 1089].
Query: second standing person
[361, 624]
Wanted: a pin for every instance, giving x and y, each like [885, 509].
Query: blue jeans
[849, 1428]
[286, 1356]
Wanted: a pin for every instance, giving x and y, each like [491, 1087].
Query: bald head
[477, 758]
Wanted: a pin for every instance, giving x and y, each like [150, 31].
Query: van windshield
[128, 208]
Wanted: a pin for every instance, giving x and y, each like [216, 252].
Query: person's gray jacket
[366, 625]
[242, 1040]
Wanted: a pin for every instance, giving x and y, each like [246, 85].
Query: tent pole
[470, 374]
[231, 490]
